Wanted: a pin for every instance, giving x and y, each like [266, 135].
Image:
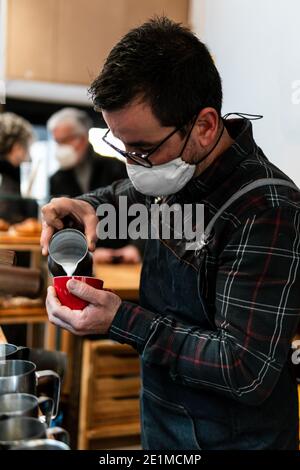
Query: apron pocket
[166, 425]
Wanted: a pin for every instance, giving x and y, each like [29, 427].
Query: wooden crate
[109, 398]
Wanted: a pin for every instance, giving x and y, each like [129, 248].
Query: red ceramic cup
[68, 299]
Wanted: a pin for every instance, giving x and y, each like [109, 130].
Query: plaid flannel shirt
[250, 280]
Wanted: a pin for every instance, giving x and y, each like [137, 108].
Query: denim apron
[177, 417]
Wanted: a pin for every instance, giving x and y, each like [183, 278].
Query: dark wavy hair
[166, 65]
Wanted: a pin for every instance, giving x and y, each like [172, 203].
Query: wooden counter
[123, 279]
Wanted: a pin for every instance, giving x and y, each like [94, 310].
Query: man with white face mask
[214, 324]
[83, 170]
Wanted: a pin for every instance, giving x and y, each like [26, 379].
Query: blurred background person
[83, 170]
[16, 136]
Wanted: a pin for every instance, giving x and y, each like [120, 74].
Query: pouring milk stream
[68, 254]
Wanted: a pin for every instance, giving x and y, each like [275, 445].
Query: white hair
[79, 119]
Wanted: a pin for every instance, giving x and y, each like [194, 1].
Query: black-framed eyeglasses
[143, 158]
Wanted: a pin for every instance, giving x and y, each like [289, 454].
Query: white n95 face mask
[66, 156]
[161, 180]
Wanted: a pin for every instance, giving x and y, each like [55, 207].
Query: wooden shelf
[21, 314]
[19, 243]
[115, 430]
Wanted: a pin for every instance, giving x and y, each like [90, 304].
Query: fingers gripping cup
[69, 299]
[69, 258]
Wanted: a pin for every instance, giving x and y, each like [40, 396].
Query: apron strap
[255, 184]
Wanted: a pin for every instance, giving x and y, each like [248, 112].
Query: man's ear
[207, 125]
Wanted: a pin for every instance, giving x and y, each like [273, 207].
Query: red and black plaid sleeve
[257, 310]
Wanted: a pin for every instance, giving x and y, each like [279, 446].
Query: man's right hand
[57, 209]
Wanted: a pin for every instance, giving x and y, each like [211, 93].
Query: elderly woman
[16, 135]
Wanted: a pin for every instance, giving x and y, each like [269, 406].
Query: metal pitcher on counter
[23, 404]
[17, 376]
[18, 431]
[11, 351]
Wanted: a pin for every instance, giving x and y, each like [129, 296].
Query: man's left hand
[95, 318]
